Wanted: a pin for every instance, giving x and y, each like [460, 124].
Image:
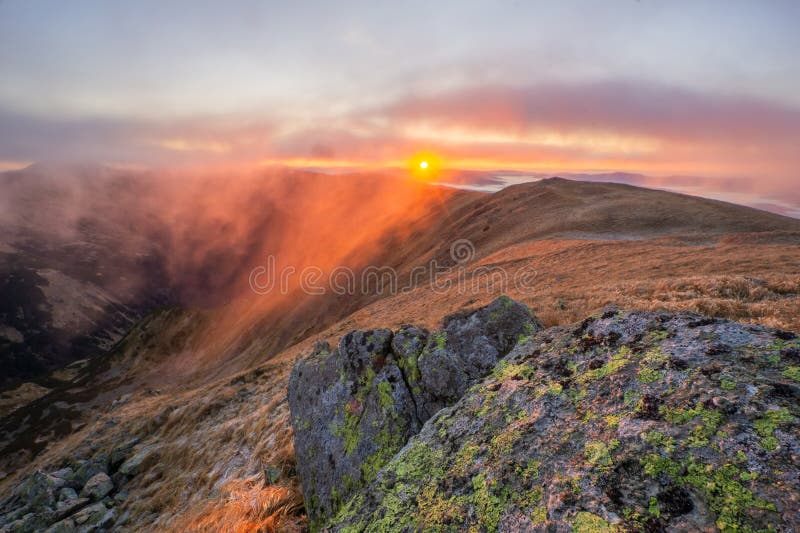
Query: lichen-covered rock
[66, 494]
[351, 412]
[355, 407]
[67, 474]
[121, 452]
[628, 421]
[108, 520]
[467, 349]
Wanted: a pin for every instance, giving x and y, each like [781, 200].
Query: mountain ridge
[178, 384]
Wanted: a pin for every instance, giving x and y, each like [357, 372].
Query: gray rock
[121, 452]
[66, 508]
[121, 496]
[28, 523]
[123, 519]
[352, 412]
[64, 526]
[355, 407]
[38, 491]
[90, 515]
[467, 349]
[146, 456]
[95, 465]
[98, 486]
[108, 519]
[16, 514]
[67, 474]
[67, 493]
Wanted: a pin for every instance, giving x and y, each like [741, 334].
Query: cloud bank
[608, 126]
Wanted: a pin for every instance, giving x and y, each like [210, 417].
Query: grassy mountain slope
[589, 244]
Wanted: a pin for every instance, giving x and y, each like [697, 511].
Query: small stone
[90, 515]
[108, 519]
[65, 473]
[64, 526]
[121, 452]
[98, 486]
[67, 493]
[87, 470]
[68, 507]
[38, 490]
[135, 464]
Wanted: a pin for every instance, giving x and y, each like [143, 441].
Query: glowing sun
[423, 166]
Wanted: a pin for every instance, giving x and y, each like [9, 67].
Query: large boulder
[355, 407]
[351, 412]
[627, 421]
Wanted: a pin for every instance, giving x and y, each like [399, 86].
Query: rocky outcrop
[80, 495]
[627, 421]
[354, 407]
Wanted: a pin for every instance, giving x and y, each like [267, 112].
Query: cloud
[612, 125]
[138, 142]
[614, 121]
[624, 107]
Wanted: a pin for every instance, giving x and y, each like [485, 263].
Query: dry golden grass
[212, 445]
[754, 283]
[248, 507]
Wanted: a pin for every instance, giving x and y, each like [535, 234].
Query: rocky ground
[626, 421]
[82, 495]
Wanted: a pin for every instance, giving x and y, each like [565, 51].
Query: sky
[699, 88]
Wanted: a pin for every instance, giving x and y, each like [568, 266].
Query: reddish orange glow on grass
[248, 508]
[348, 217]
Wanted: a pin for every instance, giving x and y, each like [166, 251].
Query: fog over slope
[87, 252]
